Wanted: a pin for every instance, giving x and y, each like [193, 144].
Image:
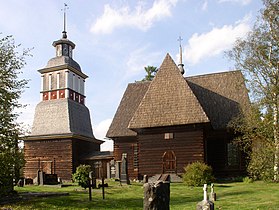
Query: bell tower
[62, 77]
[61, 133]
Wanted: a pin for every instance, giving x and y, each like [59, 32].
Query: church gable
[168, 101]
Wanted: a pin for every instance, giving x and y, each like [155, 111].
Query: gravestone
[145, 179]
[41, 178]
[156, 195]
[47, 179]
[124, 179]
[92, 179]
[20, 182]
[212, 193]
[205, 204]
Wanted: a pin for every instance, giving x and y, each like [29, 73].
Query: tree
[257, 56]
[11, 87]
[150, 73]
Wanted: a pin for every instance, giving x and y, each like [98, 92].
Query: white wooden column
[66, 84]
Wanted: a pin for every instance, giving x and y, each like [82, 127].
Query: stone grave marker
[205, 204]
[124, 179]
[156, 195]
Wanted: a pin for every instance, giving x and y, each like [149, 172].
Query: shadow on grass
[223, 186]
[80, 200]
[237, 193]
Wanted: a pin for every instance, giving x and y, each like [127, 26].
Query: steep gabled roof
[126, 109]
[168, 101]
[221, 95]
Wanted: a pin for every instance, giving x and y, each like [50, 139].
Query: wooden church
[164, 124]
[61, 134]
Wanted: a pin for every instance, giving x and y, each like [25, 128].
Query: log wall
[187, 146]
[126, 145]
[81, 148]
[217, 154]
[46, 155]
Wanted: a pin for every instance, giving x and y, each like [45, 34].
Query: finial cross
[179, 39]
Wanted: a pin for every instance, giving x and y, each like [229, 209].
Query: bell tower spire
[180, 65]
[62, 77]
[64, 32]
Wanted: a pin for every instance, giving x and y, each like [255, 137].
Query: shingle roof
[98, 155]
[168, 101]
[222, 96]
[219, 95]
[63, 116]
[128, 105]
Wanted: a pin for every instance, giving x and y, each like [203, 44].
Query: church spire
[180, 65]
[64, 32]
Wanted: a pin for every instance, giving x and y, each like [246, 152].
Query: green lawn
[238, 195]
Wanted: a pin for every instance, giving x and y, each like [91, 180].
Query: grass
[237, 195]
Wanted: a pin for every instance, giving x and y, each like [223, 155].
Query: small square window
[168, 135]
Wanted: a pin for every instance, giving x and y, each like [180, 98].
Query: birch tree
[11, 87]
[257, 56]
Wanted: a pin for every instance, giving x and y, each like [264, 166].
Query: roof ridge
[213, 74]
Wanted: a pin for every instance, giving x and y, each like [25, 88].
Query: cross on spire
[64, 32]
[179, 39]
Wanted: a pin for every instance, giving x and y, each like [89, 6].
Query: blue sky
[116, 39]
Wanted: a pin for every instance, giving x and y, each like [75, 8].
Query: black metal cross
[179, 39]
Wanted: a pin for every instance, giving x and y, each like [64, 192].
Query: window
[233, 155]
[136, 161]
[168, 135]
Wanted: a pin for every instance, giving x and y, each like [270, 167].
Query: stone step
[173, 178]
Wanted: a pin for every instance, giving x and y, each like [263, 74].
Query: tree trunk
[276, 141]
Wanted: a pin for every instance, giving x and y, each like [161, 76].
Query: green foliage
[150, 73]
[257, 56]
[197, 174]
[248, 180]
[82, 174]
[257, 142]
[11, 87]
[262, 158]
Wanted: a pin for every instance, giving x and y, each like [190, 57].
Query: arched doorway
[169, 162]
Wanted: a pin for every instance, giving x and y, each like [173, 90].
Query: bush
[197, 174]
[248, 180]
[82, 174]
[261, 161]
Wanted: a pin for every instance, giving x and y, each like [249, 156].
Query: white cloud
[100, 131]
[214, 42]
[140, 58]
[243, 2]
[139, 17]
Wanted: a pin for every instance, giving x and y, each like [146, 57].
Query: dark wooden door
[169, 162]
